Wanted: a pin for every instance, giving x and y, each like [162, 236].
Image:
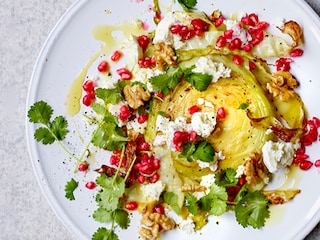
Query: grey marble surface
[24, 212]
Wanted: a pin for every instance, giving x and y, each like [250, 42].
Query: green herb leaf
[188, 5]
[112, 96]
[112, 188]
[43, 135]
[204, 152]
[166, 81]
[59, 127]
[40, 112]
[188, 149]
[252, 210]
[216, 201]
[200, 81]
[190, 202]
[172, 199]
[243, 106]
[122, 218]
[102, 215]
[69, 189]
[226, 177]
[109, 136]
[104, 234]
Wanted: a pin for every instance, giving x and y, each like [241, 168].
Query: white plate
[71, 45]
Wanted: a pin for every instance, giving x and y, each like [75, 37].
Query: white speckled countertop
[24, 212]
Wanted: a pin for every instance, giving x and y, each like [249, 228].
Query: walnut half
[282, 85]
[164, 55]
[135, 95]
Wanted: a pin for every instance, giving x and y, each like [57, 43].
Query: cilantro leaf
[69, 189]
[43, 135]
[188, 149]
[112, 188]
[40, 112]
[216, 201]
[122, 218]
[252, 210]
[226, 177]
[190, 202]
[102, 215]
[200, 81]
[172, 199]
[104, 234]
[188, 5]
[112, 96]
[109, 136]
[166, 81]
[243, 106]
[59, 127]
[204, 152]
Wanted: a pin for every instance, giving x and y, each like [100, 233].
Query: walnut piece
[164, 55]
[254, 169]
[193, 188]
[135, 95]
[294, 30]
[152, 224]
[282, 85]
[281, 196]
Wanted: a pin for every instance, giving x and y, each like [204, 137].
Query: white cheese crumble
[206, 181]
[143, 75]
[133, 51]
[277, 155]
[187, 226]
[203, 123]
[240, 171]
[136, 126]
[202, 101]
[212, 165]
[152, 192]
[205, 65]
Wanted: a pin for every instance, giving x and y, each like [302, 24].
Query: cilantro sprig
[202, 151]
[69, 189]
[187, 5]
[200, 81]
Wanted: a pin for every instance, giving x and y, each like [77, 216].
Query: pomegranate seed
[228, 34]
[88, 86]
[143, 146]
[237, 59]
[146, 169]
[87, 100]
[117, 152]
[192, 136]
[137, 166]
[221, 42]
[114, 160]
[83, 167]
[247, 47]
[154, 178]
[305, 165]
[317, 163]
[116, 56]
[133, 205]
[175, 28]
[156, 164]
[141, 179]
[283, 64]
[296, 53]
[124, 74]
[159, 95]
[193, 109]
[235, 44]
[252, 66]
[316, 121]
[143, 41]
[262, 25]
[218, 22]
[242, 181]
[90, 185]
[190, 34]
[183, 30]
[143, 118]
[159, 209]
[124, 113]
[103, 66]
[221, 113]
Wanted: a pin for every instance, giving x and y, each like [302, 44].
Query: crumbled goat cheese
[212, 165]
[217, 70]
[203, 123]
[133, 51]
[206, 181]
[202, 101]
[137, 127]
[240, 171]
[277, 155]
[187, 226]
[143, 75]
[152, 192]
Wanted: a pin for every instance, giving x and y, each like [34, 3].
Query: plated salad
[197, 116]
